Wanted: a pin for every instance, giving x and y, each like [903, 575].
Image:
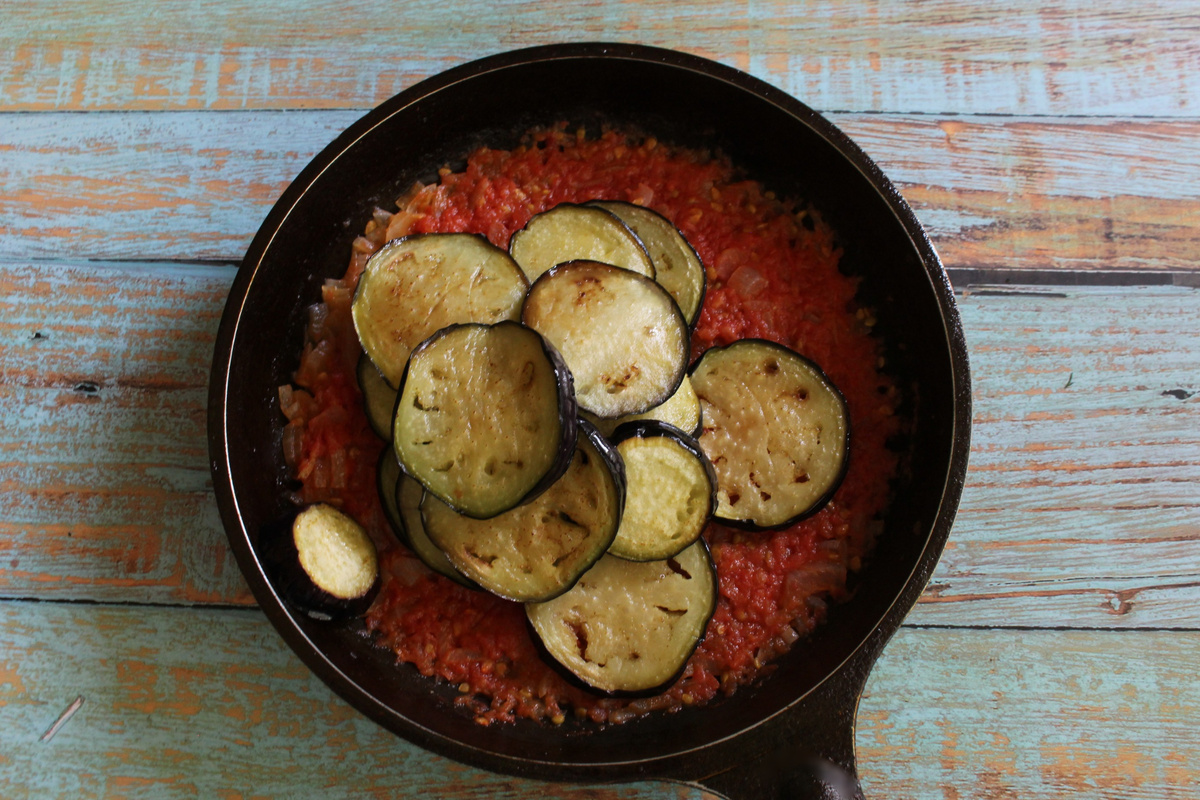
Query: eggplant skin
[280, 554]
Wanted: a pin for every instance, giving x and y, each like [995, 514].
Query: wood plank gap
[971, 277]
[83, 601]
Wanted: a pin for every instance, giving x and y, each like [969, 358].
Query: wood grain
[1080, 509]
[195, 702]
[1085, 461]
[1040, 714]
[1061, 57]
[205, 703]
[1017, 193]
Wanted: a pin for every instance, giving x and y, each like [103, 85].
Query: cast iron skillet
[753, 744]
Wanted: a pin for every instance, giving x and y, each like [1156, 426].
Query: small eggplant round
[670, 491]
[322, 562]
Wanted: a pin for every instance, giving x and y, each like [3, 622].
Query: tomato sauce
[772, 273]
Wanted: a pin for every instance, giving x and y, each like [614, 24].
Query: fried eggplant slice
[538, 550]
[486, 417]
[629, 627]
[322, 562]
[571, 232]
[415, 286]
[775, 429]
[670, 491]
[677, 267]
[621, 334]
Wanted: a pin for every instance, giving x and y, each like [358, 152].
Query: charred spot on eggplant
[775, 429]
[670, 491]
[629, 627]
[414, 286]
[322, 562]
[570, 232]
[486, 417]
[677, 266]
[538, 550]
[621, 334]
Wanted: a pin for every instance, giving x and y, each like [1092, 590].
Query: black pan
[753, 744]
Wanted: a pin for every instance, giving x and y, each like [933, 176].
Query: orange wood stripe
[996, 192]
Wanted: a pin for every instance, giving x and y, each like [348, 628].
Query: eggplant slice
[775, 429]
[670, 491]
[486, 417]
[677, 267]
[621, 334]
[571, 232]
[415, 286]
[379, 399]
[323, 562]
[538, 550]
[629, 627]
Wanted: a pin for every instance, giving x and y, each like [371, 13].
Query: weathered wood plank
[187, 702]
[993, 192]
[1080, 509]
[1032, 715]
[1085, 448]
[204, 703]
[104, 481]
[1059, 57]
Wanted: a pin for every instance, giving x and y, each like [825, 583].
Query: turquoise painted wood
[1063, 57]
[205, 703]
[1080, 506]
[1024, 192]
[1053, 654]
[208, 703]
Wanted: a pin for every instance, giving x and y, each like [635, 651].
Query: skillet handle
[815, 759]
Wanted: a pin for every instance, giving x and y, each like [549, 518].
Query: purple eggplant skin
[612, 457]
[819, 503]
[386, 483]
[568, 411]
[281, 561]
[574, 680]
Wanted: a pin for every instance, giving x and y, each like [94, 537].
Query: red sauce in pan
[773, 273]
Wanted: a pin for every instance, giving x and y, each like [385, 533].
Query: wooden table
[1051, 148]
